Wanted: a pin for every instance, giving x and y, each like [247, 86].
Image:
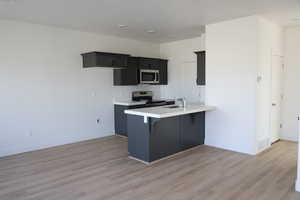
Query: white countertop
[128, 103]
[165, 111]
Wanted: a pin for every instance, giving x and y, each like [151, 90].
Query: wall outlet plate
[259, 79]
[98, 121]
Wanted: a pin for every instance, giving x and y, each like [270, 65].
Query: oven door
[149, 76]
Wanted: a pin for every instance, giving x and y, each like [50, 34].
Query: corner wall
[239, 54]
[231, 65]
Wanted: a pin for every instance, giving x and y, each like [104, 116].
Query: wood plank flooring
[100, 170]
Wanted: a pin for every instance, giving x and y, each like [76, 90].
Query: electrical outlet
[259, 79]
[98, 121]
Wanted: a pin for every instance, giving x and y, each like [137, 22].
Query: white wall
[270, 42]
[182, 69]
[47, 99]
[239, 56]
[231, 62]
[291, 101]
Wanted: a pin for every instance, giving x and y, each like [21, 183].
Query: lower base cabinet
[160, 138]
[121, 119]
[192, 130]
[164, 138]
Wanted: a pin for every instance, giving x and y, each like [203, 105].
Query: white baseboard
[297, 185]
[289, 139]
[207, 143]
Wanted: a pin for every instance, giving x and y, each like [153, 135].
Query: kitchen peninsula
[158, 132]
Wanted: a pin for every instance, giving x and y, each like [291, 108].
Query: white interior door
[276, 97]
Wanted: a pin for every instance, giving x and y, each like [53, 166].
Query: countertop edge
[128, 103]
[144, 114]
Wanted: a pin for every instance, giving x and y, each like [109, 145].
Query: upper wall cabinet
[126, 68]
[149, 63]
[163, 72]
[129, 75]
[201, 80]
[102, 59]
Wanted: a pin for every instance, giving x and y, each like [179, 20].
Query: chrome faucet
[183, 102]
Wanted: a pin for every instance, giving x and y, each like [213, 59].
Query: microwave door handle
[157, 77]
[141, 76]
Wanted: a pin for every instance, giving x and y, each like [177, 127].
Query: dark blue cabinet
[160, 138]
[130, 74]
[121, 118]
[192, 130]
[103, 59]
[201, 67]
[126, 67]
[163, 71]
[164, 139]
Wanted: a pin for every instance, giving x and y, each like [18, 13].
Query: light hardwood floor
[100, 169]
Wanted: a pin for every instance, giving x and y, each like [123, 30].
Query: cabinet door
[111, 60]
[145, 63]
[162, 67]
[103, 59]
[163, 72]
[120, 120]
[119, 61]
[201, 68]
[164, 137]
[138, 138]
[129, 75]
[192, 130]
[149, 63]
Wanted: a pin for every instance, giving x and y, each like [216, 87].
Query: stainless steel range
[148, 97]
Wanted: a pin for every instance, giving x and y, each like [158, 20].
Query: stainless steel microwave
[149, 76]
